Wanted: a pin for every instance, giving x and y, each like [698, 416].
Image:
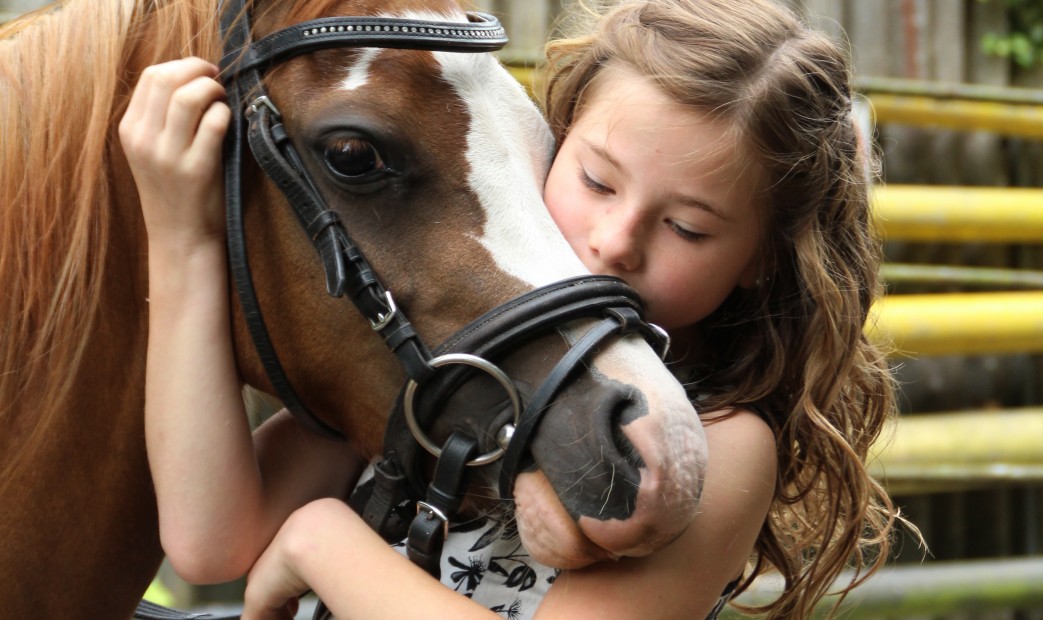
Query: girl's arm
[219, 504]
[326, 547]
[329, 549]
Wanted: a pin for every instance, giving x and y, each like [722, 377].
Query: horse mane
[66, 73]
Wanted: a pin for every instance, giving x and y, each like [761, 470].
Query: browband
[482, 33]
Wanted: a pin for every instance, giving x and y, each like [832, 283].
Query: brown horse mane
[66, 73]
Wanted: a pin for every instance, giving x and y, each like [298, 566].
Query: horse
[455, 226]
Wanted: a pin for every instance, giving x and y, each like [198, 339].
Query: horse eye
[353, 158]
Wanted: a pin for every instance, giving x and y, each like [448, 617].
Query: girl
[709, 158]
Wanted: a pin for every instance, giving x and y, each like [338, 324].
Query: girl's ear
[751, 278]
[756, 273]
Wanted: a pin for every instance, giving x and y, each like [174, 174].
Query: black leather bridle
[610, 301]
[391, 499]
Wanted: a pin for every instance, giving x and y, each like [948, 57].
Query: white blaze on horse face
[358, 73]
[509, 149]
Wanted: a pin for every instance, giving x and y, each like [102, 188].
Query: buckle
[256, 104]
[383, 320]
[431, 512]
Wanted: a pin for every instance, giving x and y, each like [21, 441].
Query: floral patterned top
[485, 561]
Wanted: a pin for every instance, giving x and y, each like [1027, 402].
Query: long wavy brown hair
[793, 348]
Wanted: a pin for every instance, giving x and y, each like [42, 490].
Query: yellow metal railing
[938, 589]
[959, 450]
[960, 214]
[963, 107]
[1003, 118]
[960, 323]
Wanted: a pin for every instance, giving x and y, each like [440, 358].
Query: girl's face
[658, 195]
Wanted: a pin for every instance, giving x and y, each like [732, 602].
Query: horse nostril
[622, 415]
[583, 449]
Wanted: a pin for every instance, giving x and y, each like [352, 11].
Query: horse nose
[583, 449]
[626, 462]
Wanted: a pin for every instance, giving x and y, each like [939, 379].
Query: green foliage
[1024, 42]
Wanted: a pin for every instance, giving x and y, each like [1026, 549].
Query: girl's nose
[615, 238]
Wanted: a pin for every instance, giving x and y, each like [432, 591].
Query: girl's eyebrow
[702, 205]
[602, 152]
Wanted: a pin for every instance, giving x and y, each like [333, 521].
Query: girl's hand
[171, 134]
[324, 545]
[275, 584]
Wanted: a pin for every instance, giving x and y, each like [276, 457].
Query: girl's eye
[684, 233]
[353, 158]
[592, 184]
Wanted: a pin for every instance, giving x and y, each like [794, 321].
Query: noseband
[431, 377]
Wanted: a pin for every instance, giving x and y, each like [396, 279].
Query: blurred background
[952, 93]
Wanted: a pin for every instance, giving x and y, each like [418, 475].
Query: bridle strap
[482, 33]
[236, 30]
[346, 269]
[430, 527]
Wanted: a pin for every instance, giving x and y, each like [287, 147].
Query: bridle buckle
[431, 512]
[384, 319]
[256, 104]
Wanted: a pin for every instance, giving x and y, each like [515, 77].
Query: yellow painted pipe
[965, 446]
[947, 213]
[1004, 118]
[933, 108]
[965, 588]
[960, 323]
[983, 278]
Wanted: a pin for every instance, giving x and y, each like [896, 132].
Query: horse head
[433, 161]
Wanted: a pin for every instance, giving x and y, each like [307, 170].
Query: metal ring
[664, 340]
[468, 360]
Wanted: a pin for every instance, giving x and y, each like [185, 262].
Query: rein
[397, 502]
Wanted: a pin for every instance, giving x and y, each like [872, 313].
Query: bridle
[390, 502]
[431, 376]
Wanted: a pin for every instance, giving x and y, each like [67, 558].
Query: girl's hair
[794, 347]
